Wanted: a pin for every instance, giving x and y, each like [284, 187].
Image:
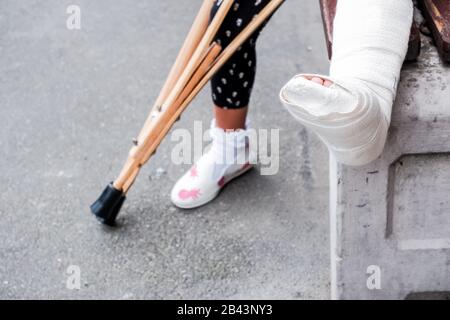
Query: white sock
[228, 148]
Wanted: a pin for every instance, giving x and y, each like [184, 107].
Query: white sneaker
[227, 159]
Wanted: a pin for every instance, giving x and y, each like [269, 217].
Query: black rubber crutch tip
[107, 207]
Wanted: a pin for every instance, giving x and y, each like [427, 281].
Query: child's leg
[229, 155]
[232, 85]
[353, 114]
[230, 119]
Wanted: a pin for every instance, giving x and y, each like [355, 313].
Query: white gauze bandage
[352, 116]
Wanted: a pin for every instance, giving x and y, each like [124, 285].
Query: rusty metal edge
[442, 42]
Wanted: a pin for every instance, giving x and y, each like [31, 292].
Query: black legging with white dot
[232, 85]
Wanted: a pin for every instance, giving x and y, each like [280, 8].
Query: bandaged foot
[351, 109]
[228, 158]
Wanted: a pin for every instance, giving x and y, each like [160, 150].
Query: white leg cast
[352, 116]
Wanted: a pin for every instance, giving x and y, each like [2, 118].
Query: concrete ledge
[394, 214]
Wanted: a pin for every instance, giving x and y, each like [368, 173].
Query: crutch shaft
[140, 154]
[190, 68]
[201, 49]
[188, 48]
[175, 112]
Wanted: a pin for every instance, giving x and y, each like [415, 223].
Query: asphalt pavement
[70, 103]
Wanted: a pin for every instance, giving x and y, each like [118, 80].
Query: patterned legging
[232, 85]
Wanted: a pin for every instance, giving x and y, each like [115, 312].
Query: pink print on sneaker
[194, 172]
[189, 194]
[246, 166]
[221, 182]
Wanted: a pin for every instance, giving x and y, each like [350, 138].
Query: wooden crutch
[193, 63]
[155, 122]
[147, 135]
[204, 63]
[190, 44]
